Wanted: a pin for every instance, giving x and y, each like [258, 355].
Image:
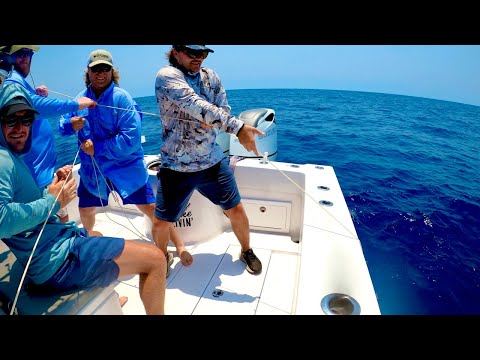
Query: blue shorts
[89, 264]
[175, 189]
[142, 196]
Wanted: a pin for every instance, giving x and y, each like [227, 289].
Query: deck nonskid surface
[217, 281]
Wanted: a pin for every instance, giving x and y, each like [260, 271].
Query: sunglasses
[101, 68]
[23, 53]
[195, 54]
[12, 120]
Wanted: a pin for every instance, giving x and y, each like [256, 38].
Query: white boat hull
[301, 230]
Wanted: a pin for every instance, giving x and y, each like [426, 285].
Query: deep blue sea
[409, 171]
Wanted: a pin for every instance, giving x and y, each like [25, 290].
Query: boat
[301, 229]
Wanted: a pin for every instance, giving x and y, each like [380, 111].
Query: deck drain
[340, 304]
[326, 202]
[321, 187]
[217, 293]
[319, 167]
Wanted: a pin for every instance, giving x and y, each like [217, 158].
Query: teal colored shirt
[24, 207]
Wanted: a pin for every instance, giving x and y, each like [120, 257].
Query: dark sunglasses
[195, 54]
[12, 120]
[23, 53]
[101, 68]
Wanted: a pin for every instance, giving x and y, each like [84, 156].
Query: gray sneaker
[169, 258]
[254, 265]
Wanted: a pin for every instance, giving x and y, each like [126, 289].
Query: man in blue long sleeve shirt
[110, 137]
[42, 158]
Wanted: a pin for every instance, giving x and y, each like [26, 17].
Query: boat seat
[65, 303]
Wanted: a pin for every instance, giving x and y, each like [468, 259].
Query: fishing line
[312, 198]
[196, 121]
[113, 192]
[142, 112]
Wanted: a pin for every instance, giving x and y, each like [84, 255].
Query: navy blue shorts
[89, 264]
[142, 196]
[175, 189]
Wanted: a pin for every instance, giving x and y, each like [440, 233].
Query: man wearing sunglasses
[67, 257]
[42, 157]
[111, 135]
[193, 105]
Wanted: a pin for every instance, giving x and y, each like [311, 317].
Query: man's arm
[17, 217]
[128, 133]
[171, 84]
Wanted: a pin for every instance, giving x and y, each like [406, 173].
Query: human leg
[99, 261]
[220, 187]
[240, 225]
[148, 261]
[184, 255]
[87, 206]
[173, 193]
[145, 200]
[87, 217]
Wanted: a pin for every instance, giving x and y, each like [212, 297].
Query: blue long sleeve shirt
[42, 157]
[24, 207]
[116, 134]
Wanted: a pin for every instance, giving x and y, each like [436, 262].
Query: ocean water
[409, 171]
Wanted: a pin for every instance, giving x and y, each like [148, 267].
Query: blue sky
[444, 72]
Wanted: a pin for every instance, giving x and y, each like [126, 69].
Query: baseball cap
[15, 48]
[194, 47]
[100, 56]
[18, 103]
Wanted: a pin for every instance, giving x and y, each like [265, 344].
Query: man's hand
[246, 136]
[77, 122]
[85, 102]
[64, 172]
[88, 147]
[206, 126]
[68, 193]
[42, 90]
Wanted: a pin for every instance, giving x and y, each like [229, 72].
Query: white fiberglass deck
[217, 282]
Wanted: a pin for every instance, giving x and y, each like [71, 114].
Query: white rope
[314, 200]
[142, 112]
[96, 167]
[307, 194]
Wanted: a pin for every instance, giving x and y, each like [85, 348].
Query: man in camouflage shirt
[193, 106]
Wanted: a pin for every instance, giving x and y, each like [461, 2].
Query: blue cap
[194, 47]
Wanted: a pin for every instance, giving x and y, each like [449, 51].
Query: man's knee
[235, 212]
[159, 224]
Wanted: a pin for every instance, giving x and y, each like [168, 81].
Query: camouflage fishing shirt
[184, 101]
